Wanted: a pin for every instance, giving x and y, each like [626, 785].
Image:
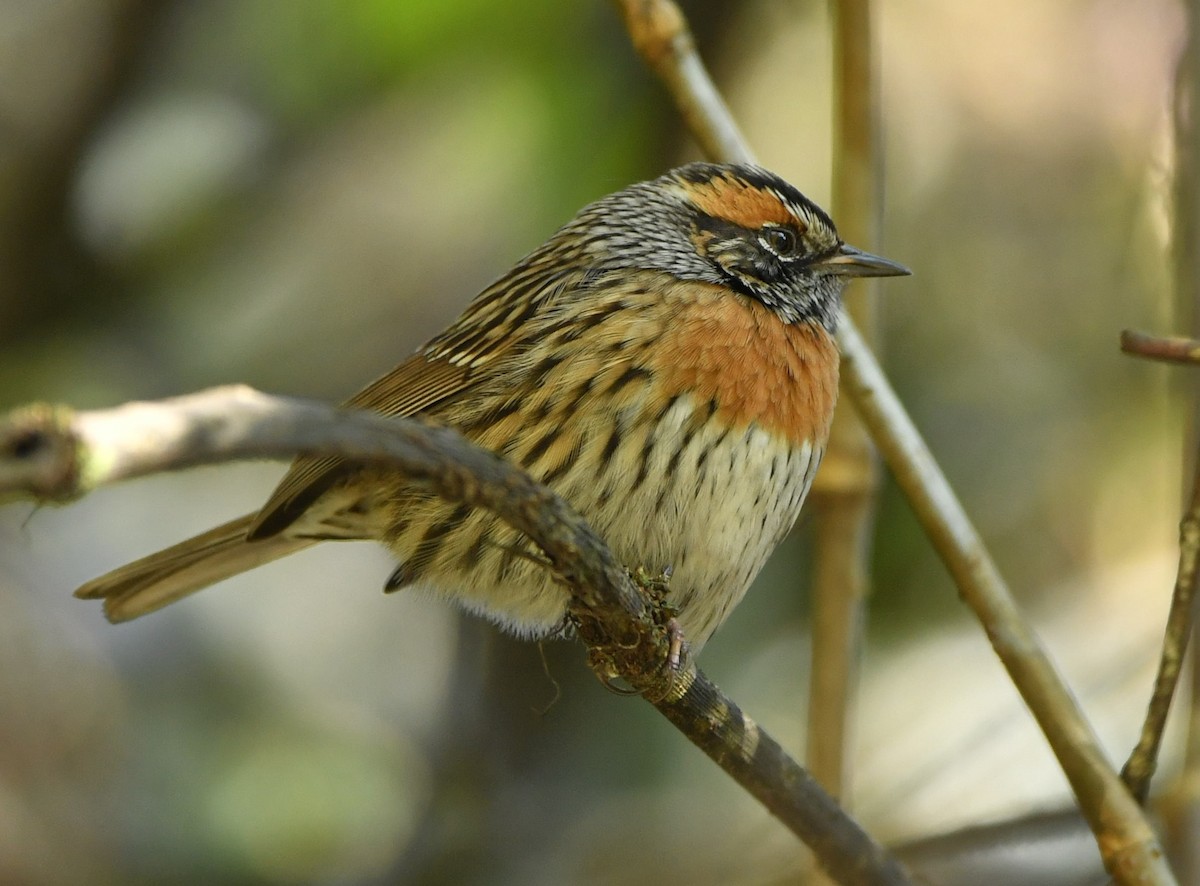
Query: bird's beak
[851, 262]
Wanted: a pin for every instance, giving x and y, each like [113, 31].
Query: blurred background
[295, 195]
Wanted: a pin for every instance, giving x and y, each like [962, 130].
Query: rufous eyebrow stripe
[730, 349]
[742, 204]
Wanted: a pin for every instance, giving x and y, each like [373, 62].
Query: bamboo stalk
[845, 490]
[1184, 813]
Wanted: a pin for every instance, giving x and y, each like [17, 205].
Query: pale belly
[711, 510]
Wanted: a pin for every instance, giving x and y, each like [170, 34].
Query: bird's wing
[489, 330]
[416, 384]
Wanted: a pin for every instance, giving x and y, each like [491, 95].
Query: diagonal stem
[1131, 851]
[1143, 761]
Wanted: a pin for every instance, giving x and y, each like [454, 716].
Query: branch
[51, 453]
[1130, 850]
[1143, 761]
[1174, 349]
[1183, 814]
[845, 491]
[662, 38]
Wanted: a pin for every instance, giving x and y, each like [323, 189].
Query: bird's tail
[154, 581]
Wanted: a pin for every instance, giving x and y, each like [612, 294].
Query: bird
[666, 362]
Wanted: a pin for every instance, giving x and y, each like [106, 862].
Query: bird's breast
[755, 368]
[684, 422]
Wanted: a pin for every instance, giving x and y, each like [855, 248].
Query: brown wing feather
[495, 321]
[416, 384]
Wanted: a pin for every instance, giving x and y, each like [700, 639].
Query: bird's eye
[781, 241]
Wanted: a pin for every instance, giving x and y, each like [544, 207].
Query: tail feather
[164, 577]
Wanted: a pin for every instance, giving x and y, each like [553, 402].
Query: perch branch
[54, 454]
[1173, 349]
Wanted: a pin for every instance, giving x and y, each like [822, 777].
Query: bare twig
[845, 489]
[1130, 850]
[1182, 806]
[1127, 843]
[661, 36]
[55, 454]
[1139, 769]
[1171, 349]
[1143, 761]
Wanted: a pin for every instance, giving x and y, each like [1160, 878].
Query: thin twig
[1170, 349]
[54, 454]
[1143, 761]
[661, 36]
[1130, 850]
[845, 489]
[1183, 803]
[1127, 844]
